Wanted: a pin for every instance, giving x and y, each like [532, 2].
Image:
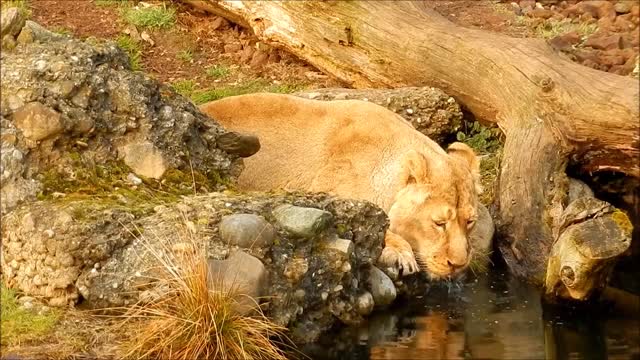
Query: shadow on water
[490, 317]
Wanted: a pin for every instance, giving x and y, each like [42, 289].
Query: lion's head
[435, 208]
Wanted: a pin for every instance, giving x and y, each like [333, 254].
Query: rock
[598, 8]
[481, 235]
[583, 55]
[527, 4]
[232, 48]
[345, 247]
[240, 274]
[239, 144]
[11, 22]
[274, 57]
[37, 121]
[8, 43]
[246, 231]
[434, 113]
[622, 24]
[89, 231]
[133, 179]
[144, 159]
[540, 13]
[103, 108]
[365, 303]
[219, 23]
[611, 57]
[302, 221]
[516, 8]
[623, 7]
[578, 189]
[381, 287]
[604, 42]
[34, 32]
[296, 269]
[565, 42]
[246, 54]
[259, 59]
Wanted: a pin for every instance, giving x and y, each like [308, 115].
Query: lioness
[355, 149]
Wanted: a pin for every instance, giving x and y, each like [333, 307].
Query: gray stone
[302, 221]
[481, 235]
[246, 231]
[578, 189]
[243, 275]
[11, 22]
[623, 7]
[432, 112]
[381, 287]
[365, 303]
[8, 43]
[37, 121]
[144, 159]
[133, 179]
[34, 32]
[242, 145]
[343, 246]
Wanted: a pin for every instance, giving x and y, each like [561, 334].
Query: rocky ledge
[66, 101]
[311, 256]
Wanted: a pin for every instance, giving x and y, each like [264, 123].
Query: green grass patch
[218, 71]
[155, 17]
[185, 55]
[203, 96]
[184, 87]
[20, 325]
[61, 30]
[487, 143]
[133, 49]
[107, 3]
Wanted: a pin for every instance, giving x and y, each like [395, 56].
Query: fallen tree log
[551, 110]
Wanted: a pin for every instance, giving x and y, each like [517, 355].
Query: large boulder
[429, 110]
[67, 250]
[67, 103]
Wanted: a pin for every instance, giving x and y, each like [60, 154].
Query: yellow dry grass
[194, 317]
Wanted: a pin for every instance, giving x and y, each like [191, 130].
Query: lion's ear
[465, 153]
[414, 168]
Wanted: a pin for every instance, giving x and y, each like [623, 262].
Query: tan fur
[359, 150]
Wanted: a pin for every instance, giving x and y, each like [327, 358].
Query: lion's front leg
[398, 253]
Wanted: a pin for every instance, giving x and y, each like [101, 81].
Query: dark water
[492, 317]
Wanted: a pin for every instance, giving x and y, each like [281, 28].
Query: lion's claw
[404, 260]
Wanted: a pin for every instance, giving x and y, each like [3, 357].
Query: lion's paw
[403, 260]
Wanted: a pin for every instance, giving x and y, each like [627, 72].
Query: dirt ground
[185, 51]
[206, 52]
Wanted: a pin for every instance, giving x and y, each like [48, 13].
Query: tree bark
[551, 110]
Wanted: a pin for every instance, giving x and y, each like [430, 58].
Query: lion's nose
[456, 262]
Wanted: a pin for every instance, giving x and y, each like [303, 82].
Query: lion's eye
[441, 224]
[470, 223]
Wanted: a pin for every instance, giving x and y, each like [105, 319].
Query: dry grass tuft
[480, 261]
[189, 320]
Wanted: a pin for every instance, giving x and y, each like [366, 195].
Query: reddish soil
[603, 35]
[205, 38]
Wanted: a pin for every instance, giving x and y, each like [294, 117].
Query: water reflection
[488, 318]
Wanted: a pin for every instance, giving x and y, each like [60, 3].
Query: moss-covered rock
[98, 250]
